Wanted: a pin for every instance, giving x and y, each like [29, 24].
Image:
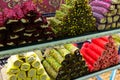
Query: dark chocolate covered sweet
[23, 24]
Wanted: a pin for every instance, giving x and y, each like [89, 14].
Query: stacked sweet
[64, 62]
[74, 18]
[107, 13]
[24, 67]
[100, 53]
[23, 24]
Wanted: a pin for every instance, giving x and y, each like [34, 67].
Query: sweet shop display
[57, 61]
[65, 62]
[24, 67]
[100, 53]
[73, 18]
[40, 47]
[107, 13]
[23, 24]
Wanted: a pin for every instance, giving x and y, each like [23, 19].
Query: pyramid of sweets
[100, 53]
[63, 62]
[24, 67]
[23, 24]
[73, 18]
[107, 13]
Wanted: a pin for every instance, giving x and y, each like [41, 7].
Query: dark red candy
[28, 7]
[18, 11]
[9, 14]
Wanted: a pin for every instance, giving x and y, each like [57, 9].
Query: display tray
[45, 44]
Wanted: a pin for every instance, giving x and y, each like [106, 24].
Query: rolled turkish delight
[92, 54]
[53, 63]
[35, 78]
[100, 26]
[118, 11]
[118, 24]
[10, 14]
[36, 63]
[21, 74]
[87, 57]
[91, 68]
[30, 57]
[12, 69]
[31, 72]
[29, 9]
[113, 25]
[100, 4]
[12, 77]
[108, 26]
[116, 37]
[112, 12]
[39, 54]
[64, 52]
[99, 10]
[100, 18]
[71, 48]
[44, 77]
[112, 7]
[25, 67]
[109, 20]
[100, 42]
[49, 69]
[18, 11]
[118, 6]
[56, 55]
[40, 71]
[15, 60]
[114, 1]
[116, 18]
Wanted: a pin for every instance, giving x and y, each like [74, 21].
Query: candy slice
[56, 55]
[31, 72]
[25, 66]
[99, 10]
[100, 4]
[49, 69]
[53, 63]
[15, 60]
[21, 74]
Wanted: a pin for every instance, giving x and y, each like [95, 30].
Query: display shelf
[97, 73]
[18, 50]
